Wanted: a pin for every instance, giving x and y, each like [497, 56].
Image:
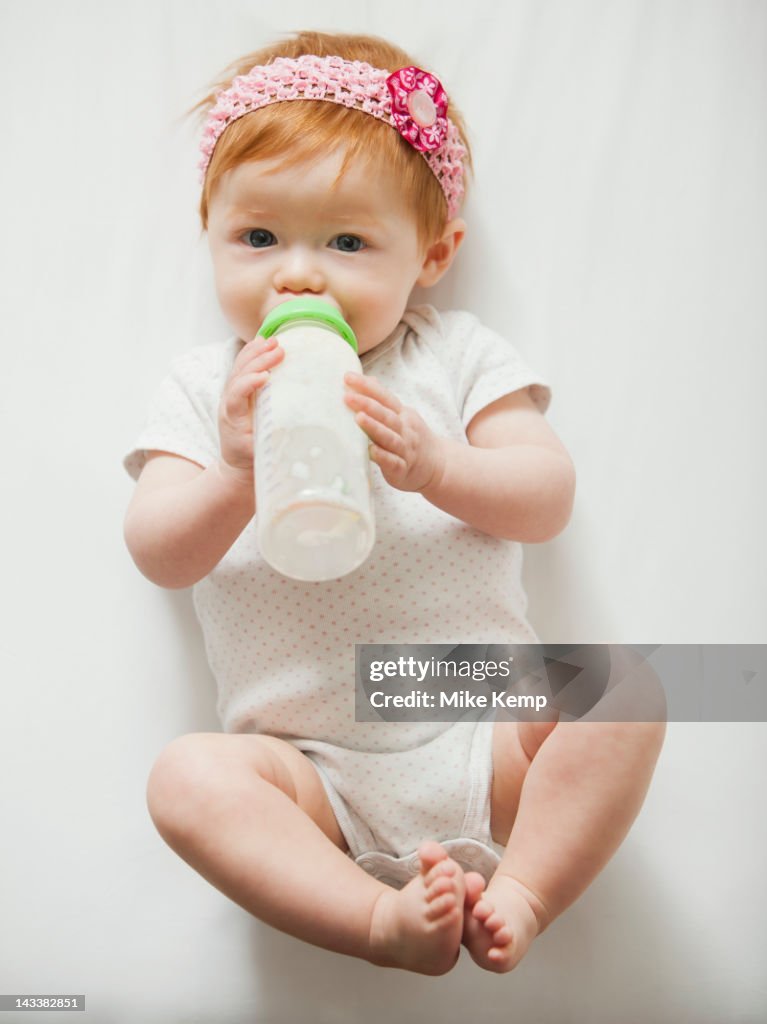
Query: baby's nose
[299, 271]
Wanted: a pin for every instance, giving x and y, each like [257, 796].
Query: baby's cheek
[241, 311]
[378, 314]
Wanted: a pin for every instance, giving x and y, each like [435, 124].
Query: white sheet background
[617, 232]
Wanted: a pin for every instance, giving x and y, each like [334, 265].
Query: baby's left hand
[406, 450]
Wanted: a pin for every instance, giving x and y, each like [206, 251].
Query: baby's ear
[440, 254]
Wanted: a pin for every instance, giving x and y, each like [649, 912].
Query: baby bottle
[314, 507]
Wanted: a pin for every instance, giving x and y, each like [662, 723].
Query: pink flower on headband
[418, 108]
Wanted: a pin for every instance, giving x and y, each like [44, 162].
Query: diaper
[387, 803]
[471, 854]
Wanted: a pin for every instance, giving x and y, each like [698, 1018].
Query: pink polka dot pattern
[282, 651]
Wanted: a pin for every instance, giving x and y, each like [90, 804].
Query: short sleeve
[183, 413]
[483, 365]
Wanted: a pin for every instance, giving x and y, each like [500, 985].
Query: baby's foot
[419, 927]
[475, 886]
[500, 922]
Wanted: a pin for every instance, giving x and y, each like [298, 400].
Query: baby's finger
[381, 435]
[252, 348]
[239, 392]
[262, 361]
[375, 409]
[372, 387]
[392, 466]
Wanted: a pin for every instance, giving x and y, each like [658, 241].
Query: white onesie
[282, 651]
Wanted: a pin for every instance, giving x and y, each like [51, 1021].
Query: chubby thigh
[515, 744]
[196, 761]
[308, 791]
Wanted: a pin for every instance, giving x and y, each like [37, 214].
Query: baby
[334, 167]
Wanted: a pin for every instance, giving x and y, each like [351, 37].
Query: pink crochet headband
[411, 100]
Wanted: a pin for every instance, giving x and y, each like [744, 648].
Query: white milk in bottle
[314, 507]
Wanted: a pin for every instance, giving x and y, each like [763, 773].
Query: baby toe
[440, 886]
[430, 854]
[444, 869]
[482, 910]
[475, 886]
[494, 922]
[442, 905]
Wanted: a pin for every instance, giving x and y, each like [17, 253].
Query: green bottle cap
[307, 309]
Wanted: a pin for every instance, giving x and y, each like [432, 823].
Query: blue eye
[348, 243]
[260, 238]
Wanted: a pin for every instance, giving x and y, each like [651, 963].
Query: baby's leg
[571, 791]
[250, 815]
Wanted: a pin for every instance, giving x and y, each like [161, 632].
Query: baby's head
[351, 195]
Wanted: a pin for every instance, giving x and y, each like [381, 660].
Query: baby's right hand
[235, 421]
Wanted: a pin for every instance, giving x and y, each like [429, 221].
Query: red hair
[301, 130]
